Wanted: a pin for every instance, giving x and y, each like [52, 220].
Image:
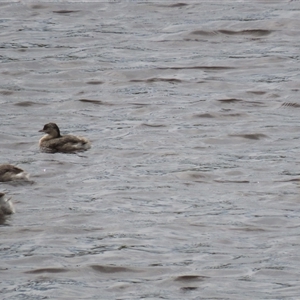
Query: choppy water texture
[191, 188]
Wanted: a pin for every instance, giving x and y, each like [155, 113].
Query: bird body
[6, 206]
[12, 173]
[53, 141]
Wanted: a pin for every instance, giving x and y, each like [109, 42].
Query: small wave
[139, 104]
[28, 103]
[253, 32]
[37, 6]
[64, 11]
[179, 4]
[231, 181]
[97, 102]
[95, 82]
[290, 104]
[188, 288]
[153, 125]
[190, 278]
[257, 92]
[156, 79]
[47, 270]
[205, 115]
[217, 68]
[203, 32]
[110, 269]
[6, 93]
[250, 136]
[230, 100]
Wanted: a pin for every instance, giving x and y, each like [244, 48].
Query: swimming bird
[12, 173]
[6, 208]
[53, 141]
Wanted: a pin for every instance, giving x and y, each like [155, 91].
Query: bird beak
[41, 130]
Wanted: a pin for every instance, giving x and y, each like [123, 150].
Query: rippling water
[190, 190]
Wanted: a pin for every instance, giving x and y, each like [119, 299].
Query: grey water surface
[191, 187]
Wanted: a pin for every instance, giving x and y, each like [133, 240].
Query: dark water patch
[288, 180]
[95, 82]
[153, 125]
[250, 136]
[205, 115]
[257, 92]
[28, 103]
[64, 11]
[193, 40]
[193, 176]
[252, 32]
[212, 68]
[248, 229]
[255, 103]
[139, 104]
[203, 32]
[37, 6]
[223, 115]
[6, 93]
[233, 115]
[288, 172]
[232, 181]
[294, 179]
[173, 80]
[230, 100]
[188, 288]
[110, 269]
[97, 102]
[180, 4]
[47, 270]
[255, 33]
[26, 230]
[290, 104]
[189, 278]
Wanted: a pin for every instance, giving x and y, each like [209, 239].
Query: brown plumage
[53, 141]
[12, 173]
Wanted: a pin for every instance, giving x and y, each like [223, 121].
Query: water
[190, 190]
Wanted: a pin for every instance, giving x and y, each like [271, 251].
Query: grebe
[12, 173]
[54, 142]
[6, 208]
